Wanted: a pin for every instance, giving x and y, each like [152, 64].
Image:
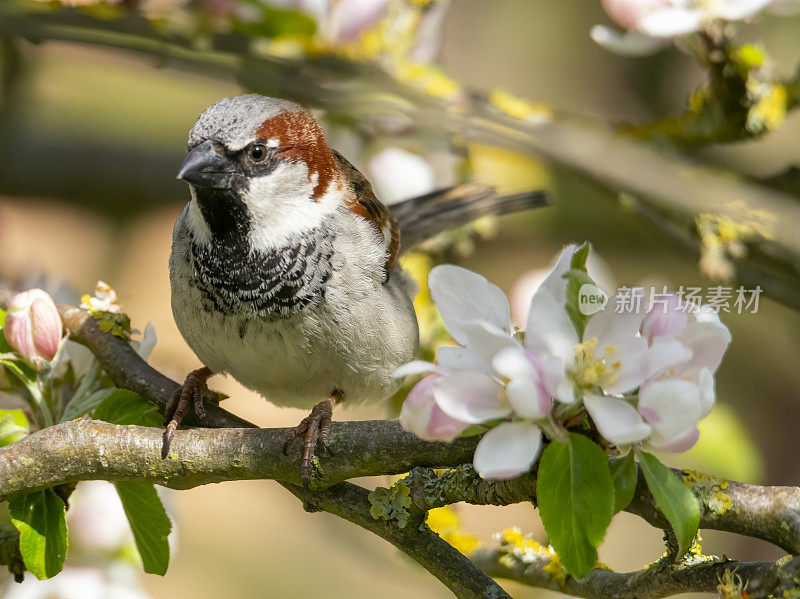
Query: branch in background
[365, 97]
[765, 579]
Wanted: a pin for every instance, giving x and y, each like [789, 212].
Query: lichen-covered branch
[764, 579]
[91, 449]
[420, 543]
[768, 513]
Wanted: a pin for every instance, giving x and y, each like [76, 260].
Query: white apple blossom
[649, 25]
[676, 396]
[642, 376]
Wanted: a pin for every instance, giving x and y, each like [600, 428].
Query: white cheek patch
[281, 206]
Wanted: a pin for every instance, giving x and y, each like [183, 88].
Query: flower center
[591, 370]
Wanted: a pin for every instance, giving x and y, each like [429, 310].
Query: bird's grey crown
[234, 121]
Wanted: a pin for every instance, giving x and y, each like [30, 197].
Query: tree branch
[764, 579]
[424, 546]
[369, 98]
[768, 513]
[90, 450]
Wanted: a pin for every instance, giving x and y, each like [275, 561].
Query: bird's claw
[314, 428]
[192, 391]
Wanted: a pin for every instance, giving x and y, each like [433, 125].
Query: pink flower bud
[33, 326]
[423, 417]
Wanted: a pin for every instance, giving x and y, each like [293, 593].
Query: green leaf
[81, 405]
[624, 476]
[149, 523]
[577, 276]
[13, 426]
[575, 495]
[39, 517]
[276, 22]
[24, 373]
[4, 346]
[676, 501]
[128, 407]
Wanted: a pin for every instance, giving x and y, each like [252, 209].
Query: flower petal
[708, 395]
[629, 363]
[352, 17]
[508, 450]
[670, 22]
[671, 407]
[735, 10]
[424, 418]
[148, 342]
[666, 318]
[629, 12]
[708, 342]
[554, 377]
[626, 43]
[454, 357]
[484, 340]
[677, 444]
[529, 398]
[416, 367]
[616, 419]
[549, 329]
[513, 363]
[664, 354]
[463, 296]
[612, 328]
[470, 397]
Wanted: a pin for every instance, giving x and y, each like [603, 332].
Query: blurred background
[89, 147]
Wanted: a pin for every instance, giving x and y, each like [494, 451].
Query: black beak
[207, 166]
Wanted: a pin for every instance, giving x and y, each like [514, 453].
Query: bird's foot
[315, 427]
[193, 390]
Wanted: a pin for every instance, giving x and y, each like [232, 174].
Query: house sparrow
[284, 266]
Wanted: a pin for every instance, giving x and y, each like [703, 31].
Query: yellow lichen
[723, 236]
[518, 547]
[519, 107]
[556, 570]
[446, 523]
[710, 490]
[769, 108]
[428, 78]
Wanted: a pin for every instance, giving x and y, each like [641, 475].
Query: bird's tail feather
[424, 216]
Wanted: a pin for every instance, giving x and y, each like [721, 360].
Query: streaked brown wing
[364, 203]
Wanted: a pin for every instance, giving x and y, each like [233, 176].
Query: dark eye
[258, 153]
